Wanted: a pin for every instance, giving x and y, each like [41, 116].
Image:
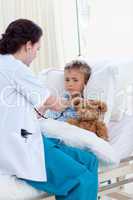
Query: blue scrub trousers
[72, 173]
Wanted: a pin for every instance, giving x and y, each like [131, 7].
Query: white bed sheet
[121, 135]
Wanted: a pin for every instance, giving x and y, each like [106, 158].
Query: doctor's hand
[56, 103]
[53, 103]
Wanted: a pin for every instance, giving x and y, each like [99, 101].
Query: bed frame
[112, 181]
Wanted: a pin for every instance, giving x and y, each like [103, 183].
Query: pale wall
[110, 28]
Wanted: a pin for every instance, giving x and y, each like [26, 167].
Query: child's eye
[75, 80]
[67, 80]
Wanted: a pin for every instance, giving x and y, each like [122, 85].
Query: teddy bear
[90, 115]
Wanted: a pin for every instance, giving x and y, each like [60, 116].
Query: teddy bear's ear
[102, 107]
[76, 101]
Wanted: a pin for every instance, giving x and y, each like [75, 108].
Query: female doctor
[46, 164]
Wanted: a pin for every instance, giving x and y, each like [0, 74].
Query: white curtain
[62, 31]
[58, 21]
[31, 9]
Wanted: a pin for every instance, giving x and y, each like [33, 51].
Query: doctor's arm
[29, 86]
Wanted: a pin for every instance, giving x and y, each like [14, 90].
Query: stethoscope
[60, 114]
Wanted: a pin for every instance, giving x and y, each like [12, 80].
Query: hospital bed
[118, 84]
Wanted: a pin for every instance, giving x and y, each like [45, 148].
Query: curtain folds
[58, 21]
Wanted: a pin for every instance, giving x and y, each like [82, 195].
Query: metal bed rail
[113, 180]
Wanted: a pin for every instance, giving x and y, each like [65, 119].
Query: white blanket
[81, 138]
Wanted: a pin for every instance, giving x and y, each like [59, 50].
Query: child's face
[74, 81]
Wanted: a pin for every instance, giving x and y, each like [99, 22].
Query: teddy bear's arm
[73, 121]
[102, 130]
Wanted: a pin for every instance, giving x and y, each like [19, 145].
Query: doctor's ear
[28, 46]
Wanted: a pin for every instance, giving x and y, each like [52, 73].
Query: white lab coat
[20, 92]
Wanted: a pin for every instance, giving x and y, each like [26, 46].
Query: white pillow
[123, 104]
[53, 79]
[79, 137]
[118, 75]
[102, 86]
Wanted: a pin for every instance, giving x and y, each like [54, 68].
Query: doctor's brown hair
[17, 34]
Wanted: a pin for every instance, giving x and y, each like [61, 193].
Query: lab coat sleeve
[28, 85]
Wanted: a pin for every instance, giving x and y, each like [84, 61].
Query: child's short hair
[80, 65]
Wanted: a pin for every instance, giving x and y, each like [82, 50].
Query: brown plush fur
[90, 116]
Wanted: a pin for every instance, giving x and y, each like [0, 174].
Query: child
[76, 76]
